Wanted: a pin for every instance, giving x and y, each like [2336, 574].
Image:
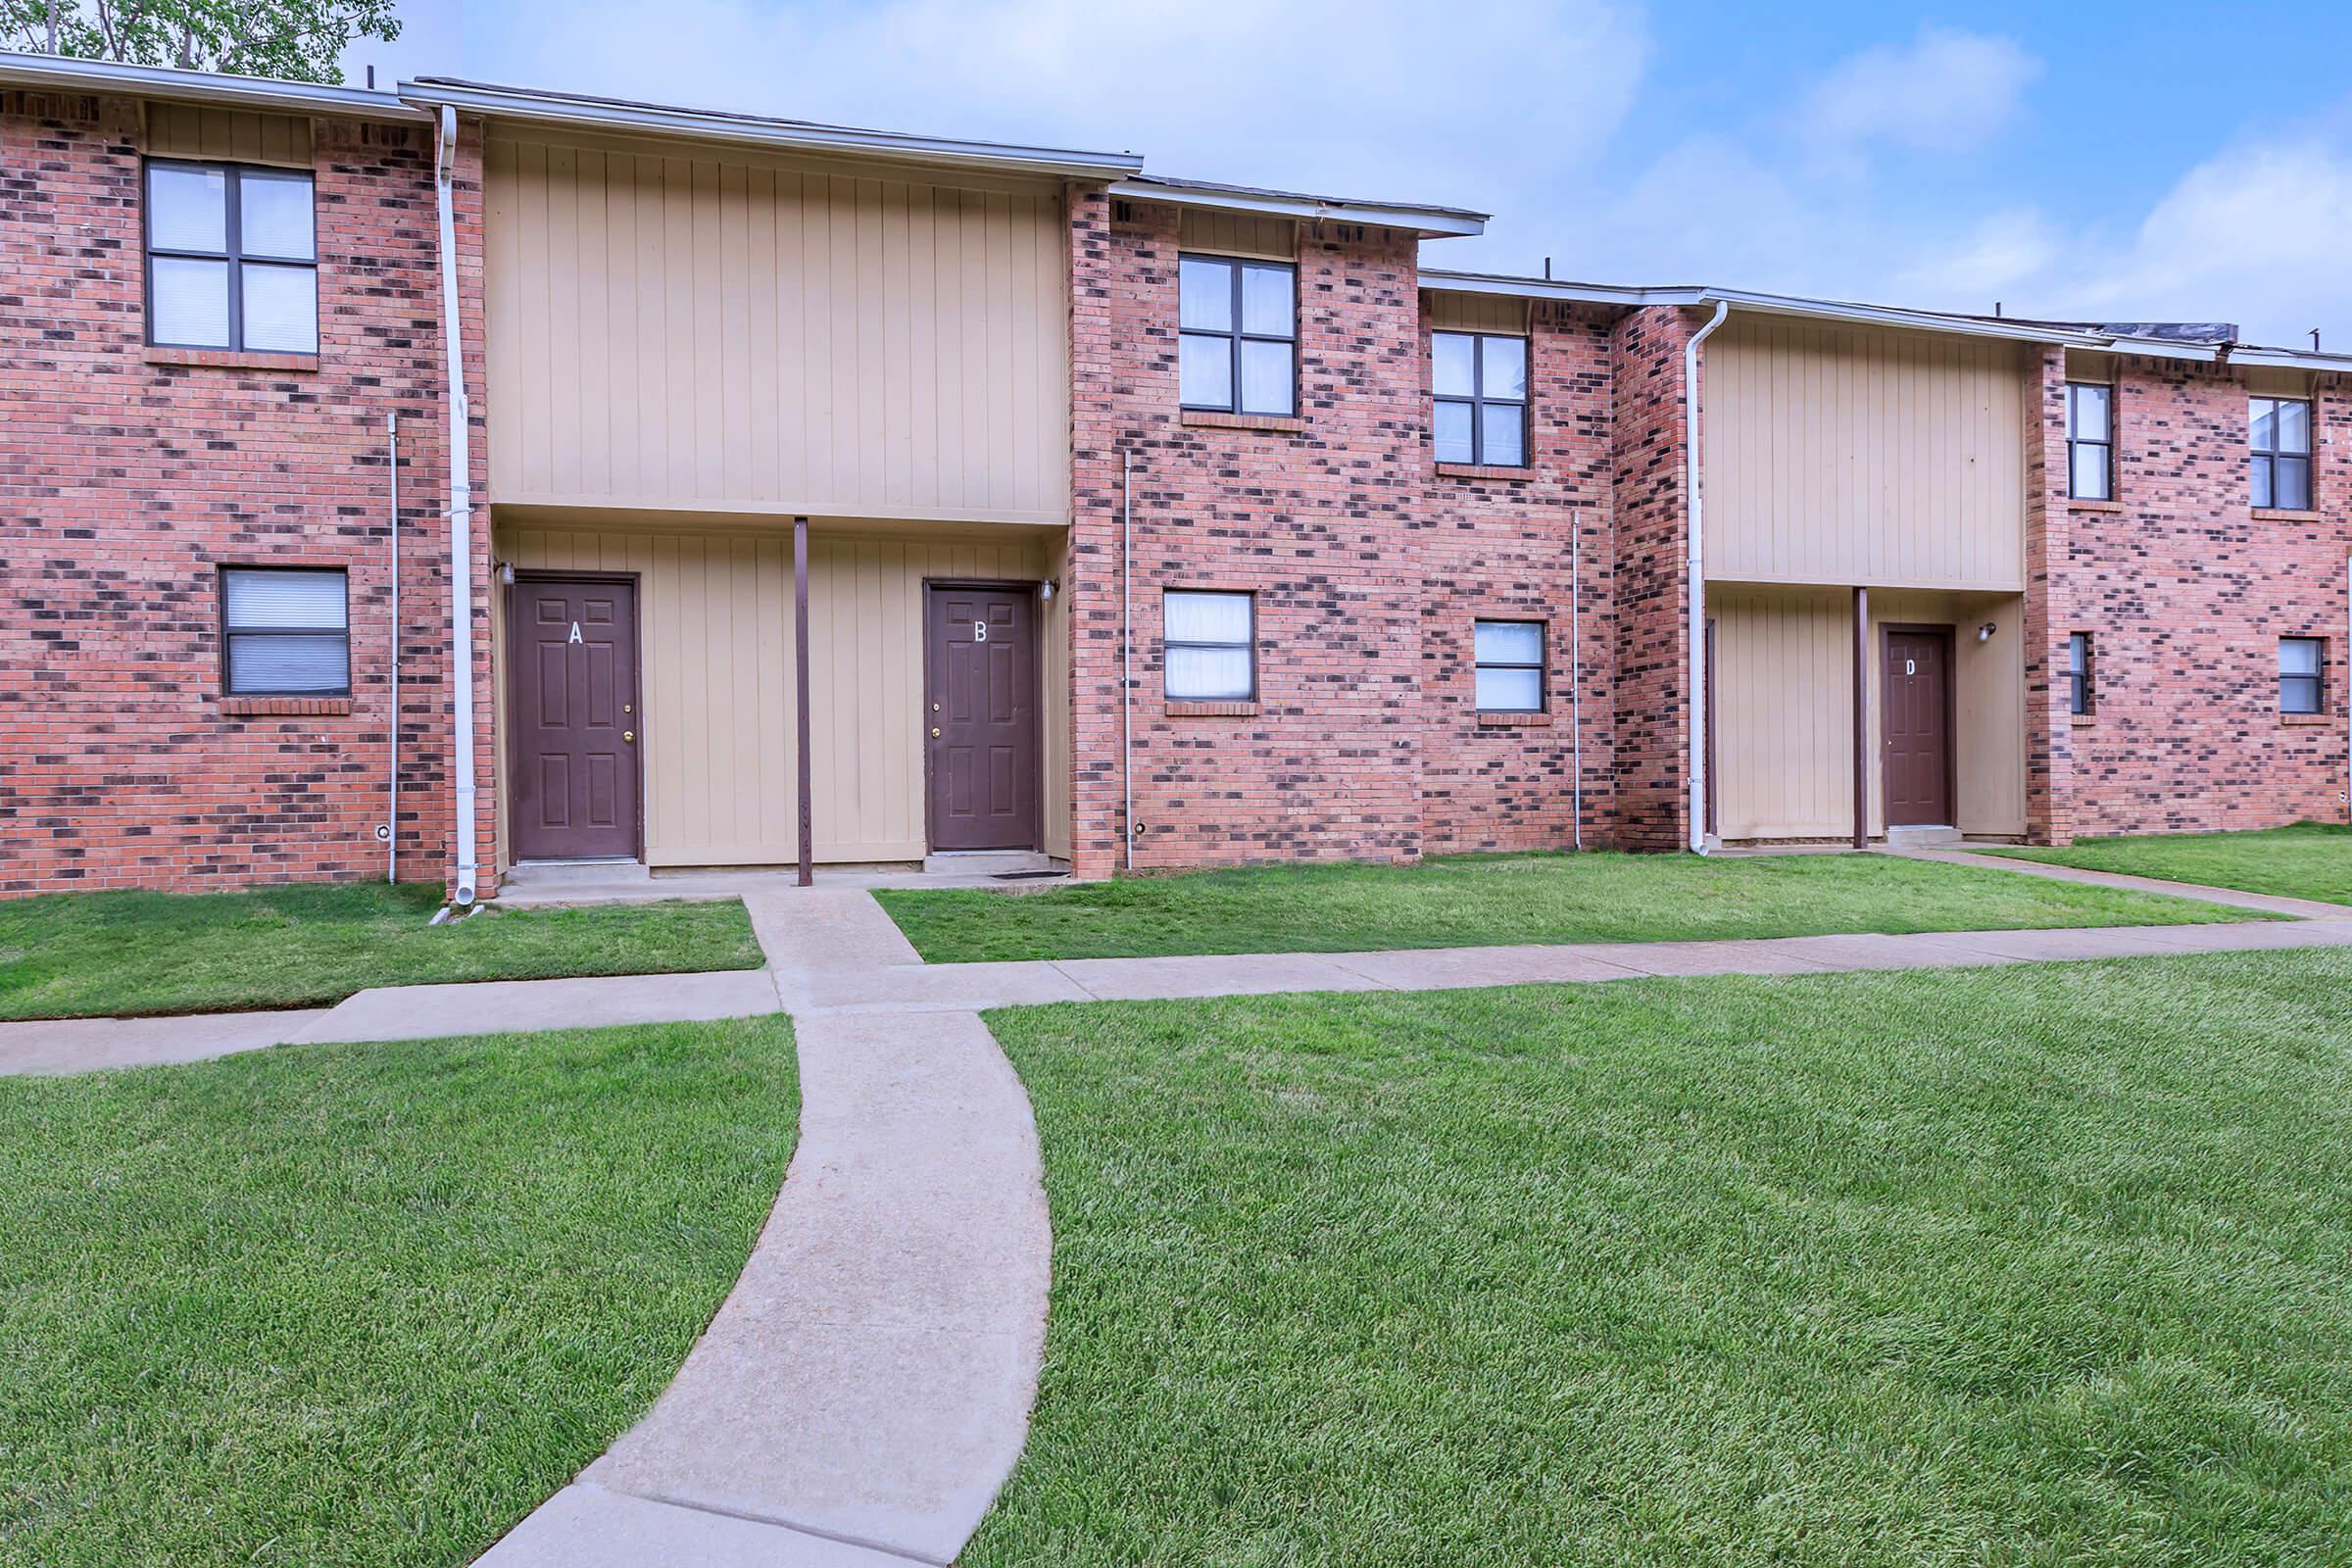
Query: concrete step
[1923, 838]
[984, 862]
[529, 877]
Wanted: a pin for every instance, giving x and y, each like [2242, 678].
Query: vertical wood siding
[1238, 234]
[1846, 454]
[237, 135]
[678, 331]
[1441, 311]
[1784, 717]
[717, 732]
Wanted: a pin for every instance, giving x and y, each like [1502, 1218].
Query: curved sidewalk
[865, 1387]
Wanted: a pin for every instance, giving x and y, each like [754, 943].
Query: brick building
[1104, 518]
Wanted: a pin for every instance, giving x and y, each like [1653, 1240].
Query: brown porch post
[1861, 718]
[800, 681]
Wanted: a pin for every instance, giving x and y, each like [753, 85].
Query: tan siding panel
[1473, 313]
[761, 338]
[1238, 234]
[1848, 454]
[235, 135]
[717, 680]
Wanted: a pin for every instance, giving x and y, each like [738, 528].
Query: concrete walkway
[864, 1390]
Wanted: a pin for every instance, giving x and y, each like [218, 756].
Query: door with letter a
[573, 709]
[1915, 721]
[983, 758]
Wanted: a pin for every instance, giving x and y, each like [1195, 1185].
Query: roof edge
[58, 73]
[617, 115]
[1430, 223]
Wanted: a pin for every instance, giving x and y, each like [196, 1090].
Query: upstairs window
[286, 632]
[2302, 667]
[2077, 674]
[2281, 452]
[2091, 442]
[1481, 384]
[1511, 665]
[1239, 339]
[233, 258]
[1212, 643]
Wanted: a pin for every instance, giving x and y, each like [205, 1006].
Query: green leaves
[297, 40]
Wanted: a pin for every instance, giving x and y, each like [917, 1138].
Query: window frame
[2318, 678]
[2258, 456]
[2081, 653]
[1541, 665]
[2074, 488]
[1235, 336]
[228, 686]
[1249, 643]
[235, 256]
[1478, 401]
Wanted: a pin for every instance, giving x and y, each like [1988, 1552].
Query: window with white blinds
[287, 631]
[1210, 639]
[1509, 657]
[233, 258]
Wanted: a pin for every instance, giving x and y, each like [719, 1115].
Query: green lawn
[95, 954]
[2035, 1265]
[1478, 901]
[361, 1304]
[2310, 860]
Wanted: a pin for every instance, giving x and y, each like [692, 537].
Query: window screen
[1238, 339]
[288, 632]
[1480, 381]
[2280, 459]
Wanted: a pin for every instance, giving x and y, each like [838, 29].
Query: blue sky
[2100, 159]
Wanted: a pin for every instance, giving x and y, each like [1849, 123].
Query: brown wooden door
[572, 644]
[980, 704]
[1915, 721]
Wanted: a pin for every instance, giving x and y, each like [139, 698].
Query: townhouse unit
[460, 480]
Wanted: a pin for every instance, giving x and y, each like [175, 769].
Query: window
[2302, 662]
[233, 259]
[2281, 457]
[2077, 673]
[1212, 646]
[2091, 442]
[1237, 344]
[288, 632]
[1511, 665]
[1481, 385]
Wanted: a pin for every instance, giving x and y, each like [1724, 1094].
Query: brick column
[2050, 612]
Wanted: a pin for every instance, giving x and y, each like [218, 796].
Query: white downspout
[1575, 669]
[1694, 659]
[461, 507]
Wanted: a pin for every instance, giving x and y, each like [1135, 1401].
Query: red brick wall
[1325, 523]
[1500, 549]
[124, 484]
[1652, 692]
[2186, 591]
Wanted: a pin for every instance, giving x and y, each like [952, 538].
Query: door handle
[629, 735]
[935, 732]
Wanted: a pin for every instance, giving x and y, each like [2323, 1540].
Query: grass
[2039, 1266]
[1478, 901]
[2309, 861]
[99, 955]
[361, 1304]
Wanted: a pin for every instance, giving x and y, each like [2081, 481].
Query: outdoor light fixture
[1985, 631]
[505, 574]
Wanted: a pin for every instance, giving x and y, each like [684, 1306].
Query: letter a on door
[575, 633]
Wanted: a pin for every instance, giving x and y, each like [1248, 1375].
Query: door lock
[628, 707]
[935, 708]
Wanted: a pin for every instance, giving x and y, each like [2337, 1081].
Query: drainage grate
[1023, 876]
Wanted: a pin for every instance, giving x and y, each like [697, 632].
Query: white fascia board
[645, 120]
[50, 73]
[1429, 222]
[2293, 360]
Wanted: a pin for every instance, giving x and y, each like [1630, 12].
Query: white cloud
[1370, 98]
[1949, 91]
